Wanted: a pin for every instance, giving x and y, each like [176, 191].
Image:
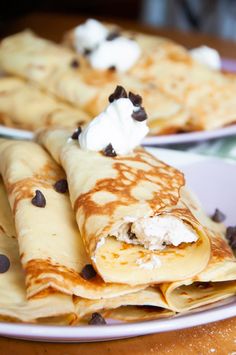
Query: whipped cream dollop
[207, 56]
[155, 233]
[89, 35]
[105, 50]
[115, 129]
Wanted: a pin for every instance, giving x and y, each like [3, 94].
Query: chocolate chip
[131, 235]
[38, 200]
[4, 263]
[109, 151]
[88, 272]
[135, 99]
[231, 236]
[97, 319]
[203, 285]
[87, 51]
[113, 35]
[139, 115]
[218, 216]
[61, 186]
[74, 63]
[112, 68]
[76, 133]
[118, 94]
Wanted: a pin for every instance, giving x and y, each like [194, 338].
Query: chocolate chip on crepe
[96, 319]
[39, 200]
[135, 99]
[74, 63]
[119, 93]
[4, 263]
[88, 272]
[76, 133]
[139, 115]
[87, 51]
[112, 68]
[61, 186]
[218, 216]
[113, 35]
[109, 151]
[231, 236]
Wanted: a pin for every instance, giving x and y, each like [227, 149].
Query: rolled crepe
[24, 106]
[207, 94]
[51, 249]
[141, 305]
[216, 282]
[109, 194]
[14, 305]
[68, 76]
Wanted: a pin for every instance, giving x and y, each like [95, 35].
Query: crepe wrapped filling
[136, 226]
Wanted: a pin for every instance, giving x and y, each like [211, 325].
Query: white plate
[214, 182]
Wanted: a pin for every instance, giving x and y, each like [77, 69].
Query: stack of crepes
[88, 240]
[205, 92]
[66, 75]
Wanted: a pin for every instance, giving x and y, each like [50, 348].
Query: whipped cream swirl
[105, 50]
[207, 56]
[119, 129]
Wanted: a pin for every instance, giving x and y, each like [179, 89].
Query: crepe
[206, 94]
[51, 249]
[217, 281]
[67, 75]
[141, 305]
[13, 303]
[24, 106]
[108, 193]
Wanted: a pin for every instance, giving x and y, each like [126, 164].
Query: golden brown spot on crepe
[128, 177]
[24, 188]
[2, 229]
[220, 249]
[40, 271]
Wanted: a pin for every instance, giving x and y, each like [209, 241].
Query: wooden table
[214, 338]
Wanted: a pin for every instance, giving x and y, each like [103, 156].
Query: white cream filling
[155, 233]
[114, 126]
[207, 56]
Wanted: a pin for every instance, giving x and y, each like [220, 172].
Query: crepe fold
[67, 75]
[24, 106]
[108, 193]
[217, 281]
[51, 249]
[14, 305]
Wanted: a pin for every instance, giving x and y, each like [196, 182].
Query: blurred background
[215, 17]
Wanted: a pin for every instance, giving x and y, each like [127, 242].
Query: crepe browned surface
[206, 94]
[14, 305]
[105, 191]
[217, 281]
[51, 249]
[49, 66]
[24, 106]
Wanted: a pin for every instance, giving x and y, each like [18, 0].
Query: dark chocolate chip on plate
[88, 272]
[113, 35]
[109, 151]
[218, 216]
[4, 263]
[139, 115]
[87, 51]
[76, 133]
[135, 99]
[119, 93]
[74, 63]
[231, 236]
[96, 319]
[39, 200]
[61, 186]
